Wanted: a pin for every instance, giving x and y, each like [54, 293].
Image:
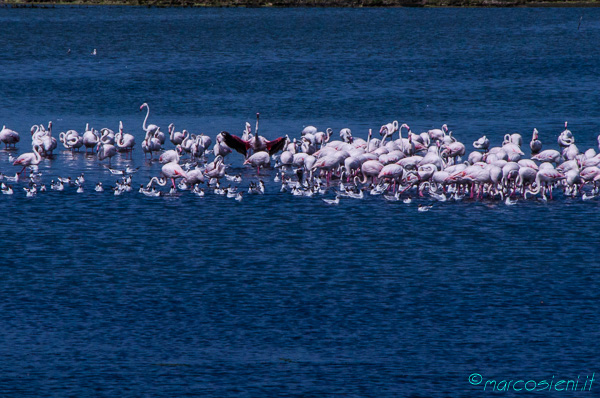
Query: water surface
[280, 295]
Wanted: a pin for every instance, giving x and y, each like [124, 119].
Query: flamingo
[125, 142]
[549, 155]
[205, 141]
[391, 171]
[150, 144]
[326, 163]
[309, 130]
[370, 168]
[188, 141]
[221, 148]
[107, 136]
[173, 171]
[321, 138]
[172, 155]
[259, 159]
[28, 159]
[257, 143]
[197, 149]
[216, 169]
[90, 138]
[9, 137]
[105, 149]
[176, 137]
[513, 139]
[152, 128]
[389, 129]
[545, 177]
[482, 143]
[438, 134]
[195, 177]
[535, 144]
[45, 141]
[526, 177]
[566, 137]
[71, 140]
[346, 135]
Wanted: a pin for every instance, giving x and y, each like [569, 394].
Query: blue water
[278, 295]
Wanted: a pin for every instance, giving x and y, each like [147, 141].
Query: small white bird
[332, 201]
[99, 187]
[232, 193]
[58, 186]
[198, 191]
[115, 171]
[236, 178]
[131, 170]
[80, 180]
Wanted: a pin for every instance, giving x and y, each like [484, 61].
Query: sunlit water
[281, 295]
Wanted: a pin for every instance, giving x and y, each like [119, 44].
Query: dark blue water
[281, 295]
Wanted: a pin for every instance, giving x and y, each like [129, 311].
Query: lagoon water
[281, 295]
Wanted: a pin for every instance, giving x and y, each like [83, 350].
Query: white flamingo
[125, 142]
[151, 128]
[28, 159]
[90, 138]
[105, 149]
[9, 137]
[176, 137]
[258, 160]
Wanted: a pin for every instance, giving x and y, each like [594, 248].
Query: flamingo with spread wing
[256, 144]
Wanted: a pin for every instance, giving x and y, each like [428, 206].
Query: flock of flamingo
[428, 164]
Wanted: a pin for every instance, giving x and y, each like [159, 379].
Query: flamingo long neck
[147, 114]
[186, 138]
[104, 135]
[256, 129]
[38, 157]
[400, 138]
[364, 180]
[160, 181]
[369, 139]
[387, 132]
[171, 131]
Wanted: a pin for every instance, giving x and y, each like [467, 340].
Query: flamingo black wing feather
[235, 142]
[276, 145]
